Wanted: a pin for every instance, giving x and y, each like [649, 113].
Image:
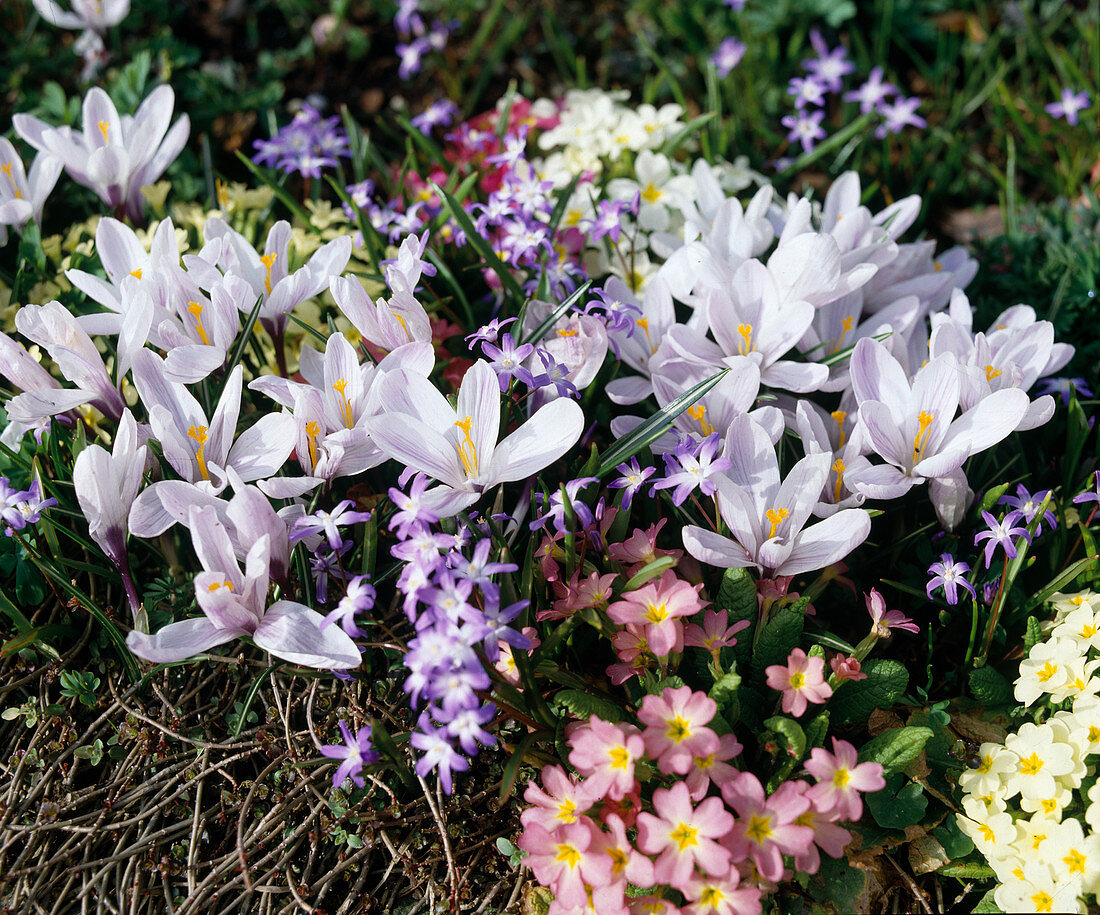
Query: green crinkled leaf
[895, 749]
[667, 683]
[967, 871]
[901, 803]
[817, 729]
[854, 700]
[792, 731]
[779, 637]
[987, 904]
[753, 704]
[582, 704]
[724, 692]
[955, 842]
[838, 885]
[1034, 634]
[737, 596]
[987, 685]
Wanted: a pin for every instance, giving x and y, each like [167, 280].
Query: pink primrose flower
[846, 668]
[604, 754]
[641, 547]
[560, 802]
[576, 595]
[829, 837]
[802, 681]
[676, 731]
[683, 836]
[765, 829]
[883, 620]
[840, 777]
[713, 767]
[715, 633]
[568, 860]
[627, 863]
[658, 607]
[721, 896]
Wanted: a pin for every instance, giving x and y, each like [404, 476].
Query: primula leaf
[901, 803]
[817, 729]
[838, 885]
[965, 870]
[791, 732]
[724, 691]
[1034, 634]
[988, 686]
[779, 637]
[955, 842]
[987, 904]
[582, 704]
[854, 700]
[895, 749]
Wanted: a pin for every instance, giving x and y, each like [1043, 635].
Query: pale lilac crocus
[768, 517]
[90, 15]
[1069, 105]
[22, 196]
[459, 447]
[234, 604]
[115, 156]
[106, 485]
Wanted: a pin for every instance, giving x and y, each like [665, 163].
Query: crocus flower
[106, 486]
[22, 196]
[92, 15]
[1069, 105]
[114, 156]
[801, 681]
[949, 574]
[234, 604]
[356, 752]
[459, 446]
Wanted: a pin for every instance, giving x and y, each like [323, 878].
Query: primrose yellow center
[841, 777]
[643, 323]
[268, 260]
[711, 896]
[679, 729]
[345, 405]
[620, 757]
[656, 613]
[798, 680]
[699, 413]
[1037, 840]
[1043, 901]
[744, 331]
[776, 516]
[196, 311]
[759, 829]
[313, 432]
[838, 417]
[568, 855]
[198, 433]
[567, 811]
[1047, 671]
[1050, 805]
[1031, 765]
[987, 832]
[651, 194]
[467, 451]
[1094, 733]
[103, 128]
[838, 468]
[986, 764]
[1087, 631]
[684, 836]
[619, 860]
[921, 438]
[1075, 861]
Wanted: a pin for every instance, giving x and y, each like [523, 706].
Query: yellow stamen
[569, 855]
[1087, 632]
[776, 516]
[759, 829]
[656, 613]
[136, 273]
[313, 431]
[643, 323]
[103, 126]
[567, 333]
[937, 265]
[838, 466]
[846, 325]
[220, 584]
[745, 346]
[684, 836]
[1075, 861]
[222, 193]
[6, 169]
[839, 417]
[198, 433]
[841, 777]
[196, 309]
[987, 832]
[1031, 765]
[679, 729]
[699, 413]
[567, 811]
[467, 451]
[921, 438]
[345, 405]
[267, 260]
[991, 373]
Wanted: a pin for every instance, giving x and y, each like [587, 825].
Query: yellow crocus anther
[776, 516]
[6, 169]
[228, 585]
[651, 194]
[313, 432]
[103, 127]
[838, 417]
[845, 326]
[345, 405]
[991, 373]
[838, 466]
[699, 413]
[567, 333]
[643, 323]
[745, 346]
[921, 438]
[267, 260]
[222, 193]
[196, 310]
[937, 266]
[136, 273]
[467, 451]
[198, 433]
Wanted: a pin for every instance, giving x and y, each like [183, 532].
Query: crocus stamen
[213, 586]
[937, 265]
[404, 326]
[921, 438]
[136, 273]
[776, 516]
[267, 260]
[345, 405]
[991, 373]
[745, 346]
[838, 466]
[222, 193]
[6, 169]
[467, 451]
[312, 433]
[846, 325]
[198, 433]
[699, 413]
[103, 126]
[567, 333]
[838, 417]
[643, 323]
[196, 309]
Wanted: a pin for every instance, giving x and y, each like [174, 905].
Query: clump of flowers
[305, 145]
[1032, 803]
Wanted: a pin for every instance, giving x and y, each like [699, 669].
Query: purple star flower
[359, 598]
[1064, 387]
[727, 55]
[608, 221]
[948, 574]
[805, 127]
[554, 373]
[328, 524]
[356, 752]
[1001, 533]
[435, 744]
[440, 113]
[22, 508]
[690, 466]
[1089, 496]
[806, 91]
[632, 479]
[507, 360]
[490, 332]
[872, 93]
[830, 66]
[1028, 505]
[898, 115]
[410, 507]
[1071, 103]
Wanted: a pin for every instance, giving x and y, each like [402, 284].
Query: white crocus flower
[22, 195]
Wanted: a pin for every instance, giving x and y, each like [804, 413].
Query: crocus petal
[262, 449]
[179, 641]
[883, 481]
[876, 375]
[540, 441]
[714, 549]
[951, 496]
[414, 444]
[826, 542]
[292, 631]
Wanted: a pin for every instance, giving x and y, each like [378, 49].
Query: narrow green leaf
[539, 332]
[250, 696]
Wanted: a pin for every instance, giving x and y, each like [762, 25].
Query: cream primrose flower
[1082, 625]
[996, 763]
[1045, 670]
[1042, 759]
[1035, 887]
[991, 831]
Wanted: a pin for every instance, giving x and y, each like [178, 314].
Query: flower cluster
[1032, 805]
[709, 837]
[305, 145]
[20, 507]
